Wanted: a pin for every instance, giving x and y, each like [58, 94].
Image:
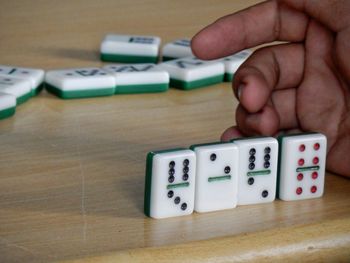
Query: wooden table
[72, 171]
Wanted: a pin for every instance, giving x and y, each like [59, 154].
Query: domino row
[245, 171]
[183, 73]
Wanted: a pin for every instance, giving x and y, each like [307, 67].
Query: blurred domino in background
[138, 78]
[35, 76]
[7, 105]
[130, 48]
[18, 87]
[177, 49]
[191, 72]
[80, 83]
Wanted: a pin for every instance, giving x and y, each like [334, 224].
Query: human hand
[303, 84]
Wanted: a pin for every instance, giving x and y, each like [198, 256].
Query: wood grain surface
[72, 171]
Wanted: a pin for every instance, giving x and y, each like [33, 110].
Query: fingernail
[239, 91]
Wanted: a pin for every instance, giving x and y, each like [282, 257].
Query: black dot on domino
[185, 177]
[172, 164]
[252, 159]
[171, 171]
[177, 200]
[185, 170]
[252, 151]
[186, 162]
[251, 166]
[170, 194]
[267, 150]
[183, 206]
[251, 181]
[171, 179]
[213, 157]
[266, 165]
[227, 169]
[264, 193]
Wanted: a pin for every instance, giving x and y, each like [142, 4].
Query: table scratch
[9, 244]
[82, 174]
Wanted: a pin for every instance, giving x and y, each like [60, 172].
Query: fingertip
[231, 133]
[266, 122]
[251, 88]
[205, 44]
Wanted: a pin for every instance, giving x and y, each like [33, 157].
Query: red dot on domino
[299, 190]
[313, 189]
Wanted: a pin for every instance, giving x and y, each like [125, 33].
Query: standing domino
[177, 49]
[130, 49]
[18, 87]
[191, 72]
[80, 83]
[216, 176]
[139, 78]
[170, 183]
[302, 166]
[257, 170]
[7, 105]
[35, 76]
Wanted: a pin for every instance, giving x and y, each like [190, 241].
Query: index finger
[263, 23]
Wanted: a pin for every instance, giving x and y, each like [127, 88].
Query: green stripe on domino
[76, 94]
[7, 113]
[179, 185]
[219, 178]
[142, 88]
[188, 85]
[128, 58]
[24, 98]
[228, 77]
[308, 168]
[260, 172]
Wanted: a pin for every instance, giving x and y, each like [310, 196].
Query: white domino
[7, 105]
[233, 62]
[216, 176]
[257, 170]
[302, 166]
[191, 72]
[179, 48]
[139, 78]
[80, 82]
[170, 183]
[18, 87]
[130, 48]
[35, 76]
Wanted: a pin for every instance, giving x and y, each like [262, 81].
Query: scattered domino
[130, 48]
[36, 76]
[216, 176]
[7, 105]
[177, 49]
[170, 183]
[257, 173]
[80, 83]
[233, 62]
[139, 78]
[18, 87]
[302, 166]
[191, 72]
